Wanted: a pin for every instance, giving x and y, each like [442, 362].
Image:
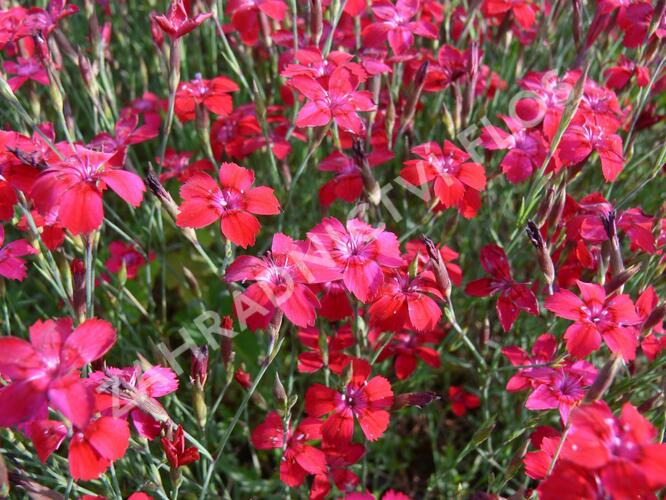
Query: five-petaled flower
[233, 201]
[364, 399]
[513, 296]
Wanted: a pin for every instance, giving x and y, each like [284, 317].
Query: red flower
[25, 69]
[653, 341]
[235, 202]
[177, 23]
[245, 16]
[134, 389]
[623, 453]
[47, 369]
[298, 459]
[125, 254]
[94, 447]
[356, 253]
[527, 148]
[407, 348]
[513, 296]
[461, 400]
[543, 352]
[176, 452]
[11, 265]
[74, 186]
[214, 95]
[338, 461]
[406, 302]
[587, 134]
[454, 177]
[347, 185]
[339, 102]
[312, 360]
[280, 283]
[395, 24]
[596, 316]
[524, 11]
[618, 76]
[364, 400]
[177, 164]
[126, 132]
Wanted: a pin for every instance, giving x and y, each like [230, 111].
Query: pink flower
[177, 165]
[339, 102]
[25, 69]
[455, 178]
[298, 459]
[280, 283]
[126, 132]
[11, 265]
[176, 23]
[47, 369]
[363, 399]
[357, 253]
[125, 392]
[586, 135]
[623, 453]
[527, 148]
[395, 24]
[214, 95]
[596, 316]
[234, 202]
[125, 254]
[74, 185]
[513, 296]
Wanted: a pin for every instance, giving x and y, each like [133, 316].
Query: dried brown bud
[167, 202]
[545, 207]
[616, 264]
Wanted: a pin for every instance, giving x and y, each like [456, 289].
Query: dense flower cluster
[360, 158]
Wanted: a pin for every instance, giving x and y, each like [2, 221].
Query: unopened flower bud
[543, 253]
[545, 207]
[279, 393]
[192, 282]
[317, 20]
[655, 318]
[418, 399]
[441, 273]
[603, 381]
[198, 377]
[557, 208]
[616, 264]
[347, 374]
[168, 204]
[372, 188]
[618, 281]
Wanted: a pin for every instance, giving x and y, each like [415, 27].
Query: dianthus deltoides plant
[332, 249]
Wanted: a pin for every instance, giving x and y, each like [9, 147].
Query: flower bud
[372, 188]
[603, 381]
[317, 20]
[616, 264]
[619, 280]
[198, 377]
[545, 207]
[168, 204]
[543, 254]
[655, 318]
[441, 273]
[279, 393]
[418, 399]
